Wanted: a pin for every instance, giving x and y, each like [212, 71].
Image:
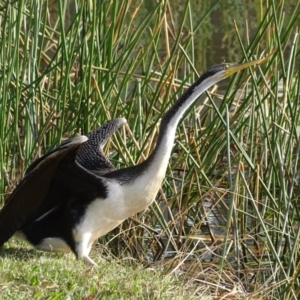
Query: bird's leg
[83, 249]
[88, 261]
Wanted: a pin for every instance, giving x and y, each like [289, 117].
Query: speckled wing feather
[31, 192]
[90, 154]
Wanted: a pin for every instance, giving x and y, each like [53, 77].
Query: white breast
[122, 201]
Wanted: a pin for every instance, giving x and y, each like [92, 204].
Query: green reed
[235, 157]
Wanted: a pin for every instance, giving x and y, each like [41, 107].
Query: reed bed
[227, 216]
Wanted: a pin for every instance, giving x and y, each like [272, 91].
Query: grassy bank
[29, 274]
[227, 216]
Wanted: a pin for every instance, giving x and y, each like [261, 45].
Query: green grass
[236, 155]
[29, 274]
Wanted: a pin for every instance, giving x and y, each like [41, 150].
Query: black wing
[53, 173]
[90, 154]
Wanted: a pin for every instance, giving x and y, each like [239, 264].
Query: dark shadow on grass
[25, 253]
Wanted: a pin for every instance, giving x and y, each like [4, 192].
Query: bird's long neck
[161, 154]
[153, 169]
[142, 182]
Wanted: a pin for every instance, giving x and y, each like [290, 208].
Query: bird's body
[74, 195]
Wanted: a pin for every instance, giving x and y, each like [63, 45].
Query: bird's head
[224, 70]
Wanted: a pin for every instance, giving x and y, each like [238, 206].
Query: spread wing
[45, 183]
[90, 155]
[68, 171]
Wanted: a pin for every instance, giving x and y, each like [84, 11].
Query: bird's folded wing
[31, 192]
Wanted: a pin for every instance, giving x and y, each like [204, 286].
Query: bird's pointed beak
[233, 68]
